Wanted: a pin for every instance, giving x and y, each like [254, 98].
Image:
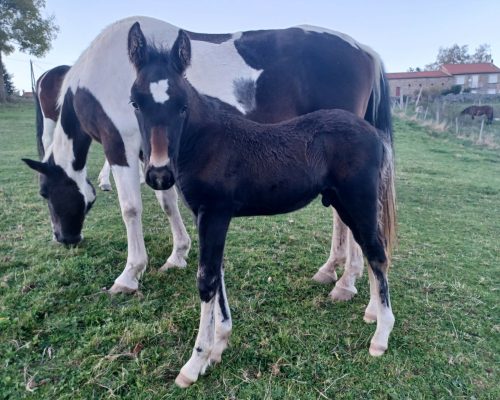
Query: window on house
[474, 81]
[492, 91]
[460, 80]
[493, 78]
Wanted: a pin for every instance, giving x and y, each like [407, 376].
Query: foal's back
[276, 168]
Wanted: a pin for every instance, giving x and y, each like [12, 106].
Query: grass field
[61, 337]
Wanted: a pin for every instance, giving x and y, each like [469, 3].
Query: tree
[7, 78]
[450, 55]
[23, 26]
[460, 55]
[482, 54]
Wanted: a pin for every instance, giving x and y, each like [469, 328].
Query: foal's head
[68, 202]
[159, 96]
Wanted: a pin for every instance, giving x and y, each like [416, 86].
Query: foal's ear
[180, 55]
[137, 46]
[41, 167]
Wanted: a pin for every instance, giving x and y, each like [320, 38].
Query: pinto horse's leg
[327, 272]
[346, 251]
[104, 182]
[212, 229]
[345, 287]
[129, 195]
[182, 242]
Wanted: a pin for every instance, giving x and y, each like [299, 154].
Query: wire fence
[442, 114]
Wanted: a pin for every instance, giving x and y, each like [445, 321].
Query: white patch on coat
[62, 150]
[216, 66]
[159, 91]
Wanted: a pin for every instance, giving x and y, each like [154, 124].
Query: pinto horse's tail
[379, 115]
[38, 121]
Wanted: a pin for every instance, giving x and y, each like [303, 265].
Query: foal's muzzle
[160, 178]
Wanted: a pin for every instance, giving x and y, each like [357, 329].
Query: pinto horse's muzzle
[160, 178]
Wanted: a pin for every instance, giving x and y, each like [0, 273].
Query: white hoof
[117, 288]
[342, 294]
[369, 318]
[325, 277]
[376, 350]
[169, 265]
[105, 187]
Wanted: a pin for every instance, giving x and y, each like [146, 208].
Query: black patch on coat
[216, 38]
[96, 123]
[305, 71]
[73, 129]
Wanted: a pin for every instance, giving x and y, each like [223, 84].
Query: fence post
[456, 126]
[418, 97]
[480, 140]
[425, 114]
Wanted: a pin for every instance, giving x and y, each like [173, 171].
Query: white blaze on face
[159, 90]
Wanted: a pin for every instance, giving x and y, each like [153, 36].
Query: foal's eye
[184, 109]
[134, 104]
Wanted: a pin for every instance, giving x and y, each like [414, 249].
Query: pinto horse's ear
[41, 167]
[137, 46]
[180, 55]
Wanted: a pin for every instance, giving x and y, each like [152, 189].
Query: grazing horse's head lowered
[68, 199]
[158, 77]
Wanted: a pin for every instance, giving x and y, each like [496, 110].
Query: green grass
[63, 338]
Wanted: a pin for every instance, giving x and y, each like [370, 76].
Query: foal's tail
[379, 115]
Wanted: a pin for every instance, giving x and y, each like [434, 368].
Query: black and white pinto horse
[310, 69]
[229, 166]
[48, 88]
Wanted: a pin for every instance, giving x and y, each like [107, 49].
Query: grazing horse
[477, 111]
[228, 166]
[311, 69]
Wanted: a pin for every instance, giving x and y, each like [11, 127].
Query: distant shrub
[455, 89]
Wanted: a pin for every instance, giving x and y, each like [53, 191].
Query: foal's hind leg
[182, 242]
[385, 318]
[357, 205]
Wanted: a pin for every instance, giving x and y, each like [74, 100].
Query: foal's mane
[157, 52]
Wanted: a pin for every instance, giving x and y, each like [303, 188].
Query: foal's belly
[272, 199]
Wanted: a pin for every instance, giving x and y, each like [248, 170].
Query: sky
[404, 33]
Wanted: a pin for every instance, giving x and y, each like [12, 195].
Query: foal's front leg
[212, 229]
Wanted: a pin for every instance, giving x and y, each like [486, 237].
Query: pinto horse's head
[68, 202]
[159, 96]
